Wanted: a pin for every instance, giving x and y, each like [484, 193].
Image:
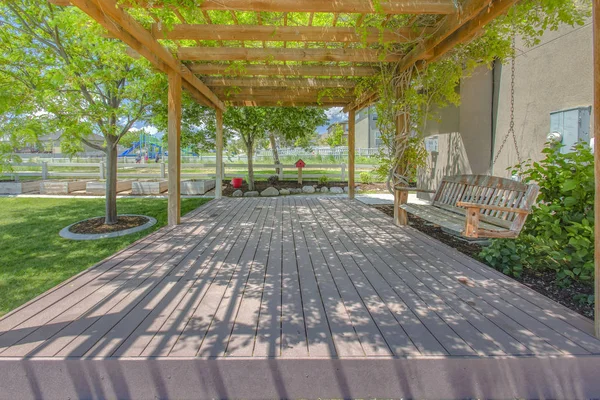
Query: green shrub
[323, 180]
[366, 178]
[559, 234]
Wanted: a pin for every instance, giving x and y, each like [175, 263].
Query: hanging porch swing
[473, 206]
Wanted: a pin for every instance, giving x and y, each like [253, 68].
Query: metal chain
[511, 127]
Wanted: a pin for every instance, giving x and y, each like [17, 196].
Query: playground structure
[150, 145]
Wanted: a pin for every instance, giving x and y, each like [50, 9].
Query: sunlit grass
[34, 258]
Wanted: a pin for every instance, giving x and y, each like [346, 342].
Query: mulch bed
[97, 225]
[543, 282]
[262, 185]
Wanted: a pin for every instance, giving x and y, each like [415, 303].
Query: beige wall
[464, 133]
[551, 76]
[555, 75]
[361, 133]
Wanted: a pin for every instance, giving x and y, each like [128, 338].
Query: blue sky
[335, 114]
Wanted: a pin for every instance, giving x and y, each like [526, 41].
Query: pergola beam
[125, 28]
[290, 98]
[272, 103]
[284, 54]
[282, 70]
[269, 91]
[279, 83]
[266, 33]
[323, 6]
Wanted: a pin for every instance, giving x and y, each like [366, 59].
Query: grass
[34, 258]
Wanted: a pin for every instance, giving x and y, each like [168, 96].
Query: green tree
[80, 82]
[336, 138]
[292, 124]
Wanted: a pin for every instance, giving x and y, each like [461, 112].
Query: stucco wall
[555, 75]
[361, 133]
[464, 133]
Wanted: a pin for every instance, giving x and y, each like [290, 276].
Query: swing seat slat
[477, 206]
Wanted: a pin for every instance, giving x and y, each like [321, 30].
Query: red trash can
[237, 182]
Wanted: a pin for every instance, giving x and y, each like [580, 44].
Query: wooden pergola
[292, 53]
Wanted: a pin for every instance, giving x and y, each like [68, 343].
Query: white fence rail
[97, 170]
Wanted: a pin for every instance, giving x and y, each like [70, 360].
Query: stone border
[67, 234]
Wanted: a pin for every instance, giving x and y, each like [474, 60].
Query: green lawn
[34, 258]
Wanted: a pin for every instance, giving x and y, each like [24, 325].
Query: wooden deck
[294, 297]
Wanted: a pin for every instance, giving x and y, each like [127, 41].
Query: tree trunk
[111, 183]
[250, 153]
[274, 150]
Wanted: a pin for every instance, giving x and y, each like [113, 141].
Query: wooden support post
[400, 215]
[472, 222]
[596, 25]
[219, 143]
[351, 146]
[174, 136]
[300, 176]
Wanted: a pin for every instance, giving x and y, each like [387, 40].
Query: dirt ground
[97, 225]
[543, 282]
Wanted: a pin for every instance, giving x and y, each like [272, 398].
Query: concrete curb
[67, 234]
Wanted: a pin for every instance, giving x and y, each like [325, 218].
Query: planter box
[61, 187]
[197, 186]
[149, 187]
[99, 187]
[19, 187]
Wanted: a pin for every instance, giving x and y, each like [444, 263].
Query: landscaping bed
[262, 185]
[97, 225]
[543, 282]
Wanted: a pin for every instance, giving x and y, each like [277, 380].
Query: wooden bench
[474, 206]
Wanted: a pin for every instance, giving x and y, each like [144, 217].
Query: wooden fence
[151, 170]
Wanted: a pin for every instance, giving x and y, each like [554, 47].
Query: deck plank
[243, 334]
[500, 300]
[402, 337]
[219, 332]
[318, 332]
[368, 330]
[202, 274]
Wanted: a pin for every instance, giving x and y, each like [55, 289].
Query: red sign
[300, 164]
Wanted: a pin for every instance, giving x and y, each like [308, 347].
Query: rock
[308, 189]
[237, 193]
[346, 189]
[284, 192]
[295, 191]
[251, 194]
[270, 192]
[324, 189]
[336, 190]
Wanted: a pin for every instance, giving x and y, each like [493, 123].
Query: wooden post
[300, 175]
[596, 25]
[351, 145]
[400, 215]
[174, 136]
[219, 143]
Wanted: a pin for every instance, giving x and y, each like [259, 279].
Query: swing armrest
[409, 189]
[491, 207]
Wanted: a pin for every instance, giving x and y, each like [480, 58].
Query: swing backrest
[488, 190]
